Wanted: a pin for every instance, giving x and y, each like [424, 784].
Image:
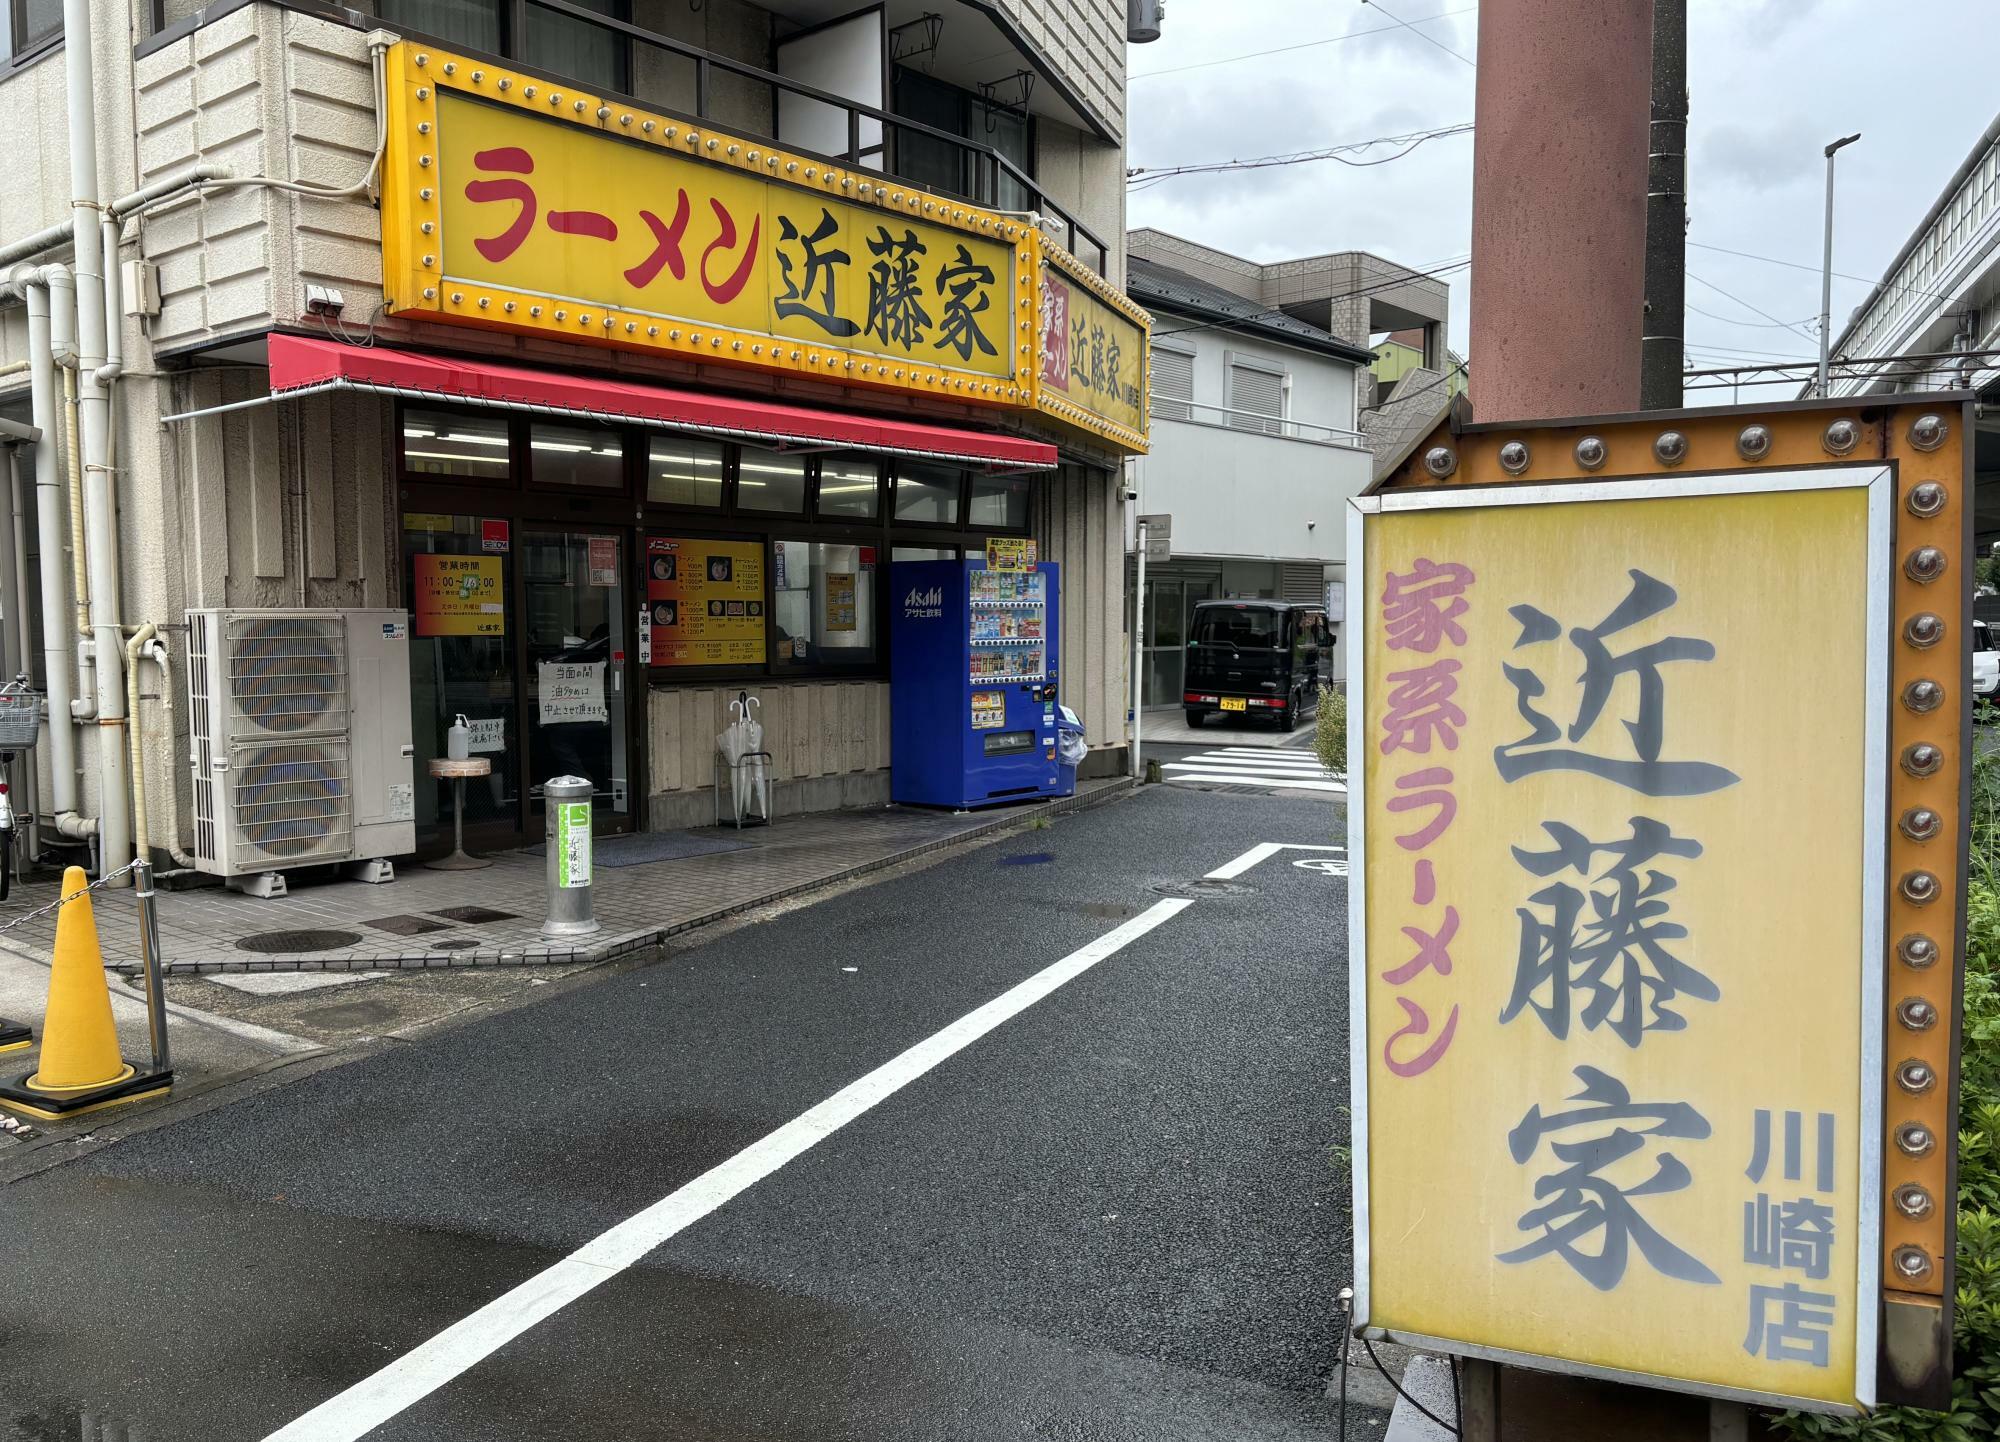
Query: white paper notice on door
[571, 692]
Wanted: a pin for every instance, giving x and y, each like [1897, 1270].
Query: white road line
[1263, 851]
[1276, 753]
[418, 1373]
[1248, 763]
[1252, 778]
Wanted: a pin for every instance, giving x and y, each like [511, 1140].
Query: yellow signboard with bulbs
[1656, 911]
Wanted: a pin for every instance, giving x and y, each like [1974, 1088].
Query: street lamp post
[1826, 268]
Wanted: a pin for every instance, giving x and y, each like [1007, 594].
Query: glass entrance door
[576, 626]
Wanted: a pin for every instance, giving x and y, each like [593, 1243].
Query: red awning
[301, 365]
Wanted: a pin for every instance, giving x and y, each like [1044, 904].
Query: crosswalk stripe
[1251, 761]
[1273, 753]
[1245, 778]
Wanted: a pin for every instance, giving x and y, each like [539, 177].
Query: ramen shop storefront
[815, 375]
[570, 555]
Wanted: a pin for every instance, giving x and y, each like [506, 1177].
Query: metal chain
[63, 901]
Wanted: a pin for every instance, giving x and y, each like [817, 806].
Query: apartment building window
[1257, 396]
[32, 24]
[1173, 383]
[562, 44]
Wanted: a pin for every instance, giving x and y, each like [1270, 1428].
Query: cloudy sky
[1770, 83]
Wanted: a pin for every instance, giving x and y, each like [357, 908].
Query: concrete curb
[625, 943]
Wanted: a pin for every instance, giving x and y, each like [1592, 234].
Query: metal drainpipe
[141, 847]
[100, 520]
[34, 286]
[85, 705]
[18, 642]
[159, 655]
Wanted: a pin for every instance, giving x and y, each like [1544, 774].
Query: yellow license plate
[1235, 703]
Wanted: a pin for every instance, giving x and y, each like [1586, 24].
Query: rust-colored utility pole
[1565, 183]
[1559, 207]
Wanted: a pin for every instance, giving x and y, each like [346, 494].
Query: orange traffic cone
[80, 1069]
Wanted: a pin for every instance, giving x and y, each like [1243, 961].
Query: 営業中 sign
[1617, 915]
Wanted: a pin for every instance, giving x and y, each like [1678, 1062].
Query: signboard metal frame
[414, 259]
[1879, 484]
[1924, 443]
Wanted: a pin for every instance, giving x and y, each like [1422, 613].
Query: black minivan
[1248, 658]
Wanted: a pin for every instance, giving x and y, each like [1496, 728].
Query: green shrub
[1330, 734]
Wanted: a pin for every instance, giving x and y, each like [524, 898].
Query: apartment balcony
[285, 89]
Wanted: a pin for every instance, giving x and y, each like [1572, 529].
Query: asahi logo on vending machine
[923, 605]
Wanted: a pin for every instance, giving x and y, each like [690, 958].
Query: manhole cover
[407, 925]
[453, 943]
[285, 943]
[1030, 858]
[1205, 886]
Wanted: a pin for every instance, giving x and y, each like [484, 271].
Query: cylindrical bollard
[566, 807]
[152, 963]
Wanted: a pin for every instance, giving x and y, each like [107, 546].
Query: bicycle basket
[20, 716]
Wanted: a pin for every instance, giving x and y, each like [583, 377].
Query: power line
[1752, 324]
[1421, 36]
[1145, 177]
[1303, 45]
[1815, 270]
[1807, 335]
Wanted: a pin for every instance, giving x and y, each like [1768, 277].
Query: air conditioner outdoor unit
[301, 742]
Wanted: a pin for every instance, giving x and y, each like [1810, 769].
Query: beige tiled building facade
[253, 144]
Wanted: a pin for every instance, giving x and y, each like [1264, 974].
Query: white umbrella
[733, 743]
[759, 781]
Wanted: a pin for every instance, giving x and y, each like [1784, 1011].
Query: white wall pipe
[133, 647]
[114, 311]
[34, 287]
[99, 497]
[62, 313]
[19, 641]
[156, 651]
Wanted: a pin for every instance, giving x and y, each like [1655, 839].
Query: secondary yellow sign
[1092, 354]
[1616, 911]
[511, 203]
[459, 595]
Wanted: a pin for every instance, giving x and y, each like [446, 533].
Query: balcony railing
[990, 173]
[1199, 413]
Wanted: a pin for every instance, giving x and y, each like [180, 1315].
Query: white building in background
[1256, 448]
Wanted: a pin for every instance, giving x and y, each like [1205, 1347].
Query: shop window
[576, 456]
[1000, 502]
[924, 553]
[684, 472]
[445, 443]
[825, 604]
[767, 481]
[850, 486]
[926, 494]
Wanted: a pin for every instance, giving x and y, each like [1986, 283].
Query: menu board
[459, 596]
[704, 602]
[840, 601]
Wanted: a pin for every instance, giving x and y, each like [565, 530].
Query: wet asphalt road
[1116, 1217]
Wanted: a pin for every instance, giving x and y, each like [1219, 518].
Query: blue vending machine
[973, 673]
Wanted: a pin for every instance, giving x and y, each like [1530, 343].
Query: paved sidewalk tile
[427, 918]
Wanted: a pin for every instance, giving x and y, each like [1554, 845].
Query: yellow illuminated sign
[1617, 758]
[517, 205]
[1091, 356]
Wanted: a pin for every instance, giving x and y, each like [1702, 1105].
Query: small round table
[456, 772]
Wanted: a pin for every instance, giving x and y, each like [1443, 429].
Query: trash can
[1070, 750]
